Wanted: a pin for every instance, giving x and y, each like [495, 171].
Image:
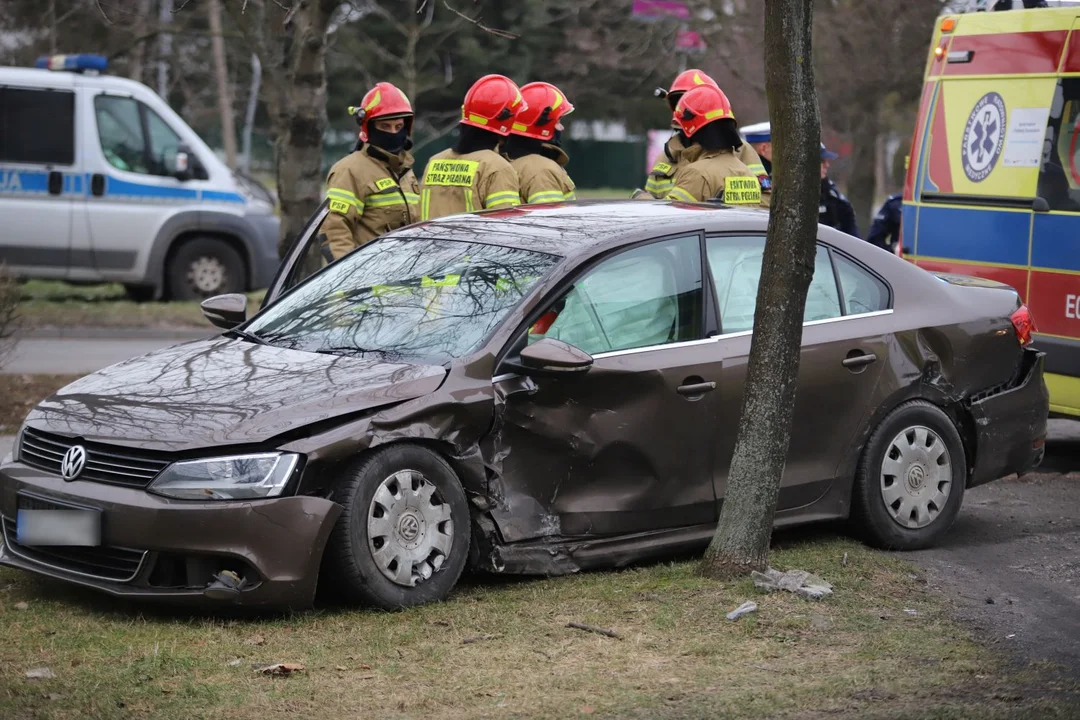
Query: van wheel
[403, 535]
[140, 293]
[910, 482]
[203, 267]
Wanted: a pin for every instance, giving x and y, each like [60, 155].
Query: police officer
[710, 166]
[834, 209]
[473, 175]
[661, 177]
[759, 137]
[373, 190]
[533, 145]
[885, 230]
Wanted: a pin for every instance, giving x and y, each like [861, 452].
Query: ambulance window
[1059, 177]
[37, 126]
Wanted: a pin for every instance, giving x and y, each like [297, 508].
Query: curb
[118, 333]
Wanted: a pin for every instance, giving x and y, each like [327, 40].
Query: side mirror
[556, 357]
[182, 164]
[225, 311]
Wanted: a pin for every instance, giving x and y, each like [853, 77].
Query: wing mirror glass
[225, 311]
[550, 356]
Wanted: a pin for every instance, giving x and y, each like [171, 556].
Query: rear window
[37, 126]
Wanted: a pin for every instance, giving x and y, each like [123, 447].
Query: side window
[735, 263]
[863, 292]
[651, 295]
[37, 126]
[1059, 175]
[163, 144]
[120, 130]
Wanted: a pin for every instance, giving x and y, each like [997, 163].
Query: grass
[502, 648]
[47, 303]
[20, 393]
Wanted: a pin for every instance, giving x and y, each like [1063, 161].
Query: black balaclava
[556, 140]
[470, 139]
[392, 143]
[719, 135]
[517, 146]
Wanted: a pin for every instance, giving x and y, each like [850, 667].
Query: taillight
[1024, 325]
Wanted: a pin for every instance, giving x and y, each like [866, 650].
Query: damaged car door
[626, 446]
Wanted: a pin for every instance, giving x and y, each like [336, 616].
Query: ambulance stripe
[1021, 53]
[978, 234]
[1072, 55]
[1056, 242]
[1053, 301]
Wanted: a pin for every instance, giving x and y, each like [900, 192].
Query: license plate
[81, 528]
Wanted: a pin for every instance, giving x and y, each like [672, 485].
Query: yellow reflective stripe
[384, 199]
[469, 206]
[344, 196]
[546, 196]
[412, 197]
[503, 197]
[757, 169]
[677, 193]
[425, 204]
[714, 114]
[570, 196]
[519, 127]
[478, 119]
[659, 187]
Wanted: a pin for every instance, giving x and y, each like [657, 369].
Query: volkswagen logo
[73, 463]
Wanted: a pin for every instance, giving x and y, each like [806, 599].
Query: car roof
[583, 227]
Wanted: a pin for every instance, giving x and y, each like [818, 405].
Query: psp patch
[742, 190]
[451, 173]
[984, 137]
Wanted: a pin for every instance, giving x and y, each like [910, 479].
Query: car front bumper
[160, 549]
[1010, 426]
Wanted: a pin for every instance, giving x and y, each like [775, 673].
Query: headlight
[238, 477]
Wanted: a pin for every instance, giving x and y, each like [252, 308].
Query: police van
[100, 181]
[993, 182]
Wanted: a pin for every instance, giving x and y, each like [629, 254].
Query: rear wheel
[403, 536]
[203, 267]
[910, 482]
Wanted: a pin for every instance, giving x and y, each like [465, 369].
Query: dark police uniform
[885, 230]
[835, 209]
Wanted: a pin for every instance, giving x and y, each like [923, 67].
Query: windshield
[430, 300]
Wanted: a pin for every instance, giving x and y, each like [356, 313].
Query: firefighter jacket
[543, 179]
[371, 192]
[662, 176]
[708, 174]
[456, 183]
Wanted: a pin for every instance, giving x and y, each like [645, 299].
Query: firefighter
[661, 177]
[473, 175]
[373, 189]
[533, 146]
[834, 209]
[710, 166]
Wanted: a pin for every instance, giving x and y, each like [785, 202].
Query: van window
[135, 138]
[1059, 176]
[37, 126]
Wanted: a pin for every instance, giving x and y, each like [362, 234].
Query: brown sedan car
[539, 390]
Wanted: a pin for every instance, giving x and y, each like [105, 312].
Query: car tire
[140, 293]
[384, 507]
[909, 484]
[202, 267]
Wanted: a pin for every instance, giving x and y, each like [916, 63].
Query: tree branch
[476, 21]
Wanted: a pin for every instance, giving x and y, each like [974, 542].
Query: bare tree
[741, 542]
[9, 308]
[221, 71]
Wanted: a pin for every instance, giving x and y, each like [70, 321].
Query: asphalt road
[77, 356]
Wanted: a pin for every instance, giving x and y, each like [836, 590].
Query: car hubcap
[410, 532]
[207, 274]
[916, 477]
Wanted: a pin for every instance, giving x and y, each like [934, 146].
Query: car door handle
[697, 388]
[97, 184]
[860, 360]
[56, 182]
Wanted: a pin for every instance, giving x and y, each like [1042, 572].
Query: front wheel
[910, 482]
[403, 536]
[203, 267]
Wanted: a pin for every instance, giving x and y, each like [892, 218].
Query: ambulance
[993, 181]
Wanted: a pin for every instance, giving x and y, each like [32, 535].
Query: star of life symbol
[984, 137]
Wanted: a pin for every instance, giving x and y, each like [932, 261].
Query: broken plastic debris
[800, 582]
[1010, 636]
[22, 606]
[41, 673]
[235, 662]
[745, 609]
[226, 585]
[280, 669]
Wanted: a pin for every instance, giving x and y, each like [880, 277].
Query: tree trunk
[301, 121]
[138, 55]
[863, 172]
[164, 49]
[221, 72]
[741, 542]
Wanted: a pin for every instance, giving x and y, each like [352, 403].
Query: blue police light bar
[73, 63]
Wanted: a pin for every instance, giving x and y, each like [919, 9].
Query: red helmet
[545, 106]
[384, 101]
[492, 103]
[688, 80]
[701, 106]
